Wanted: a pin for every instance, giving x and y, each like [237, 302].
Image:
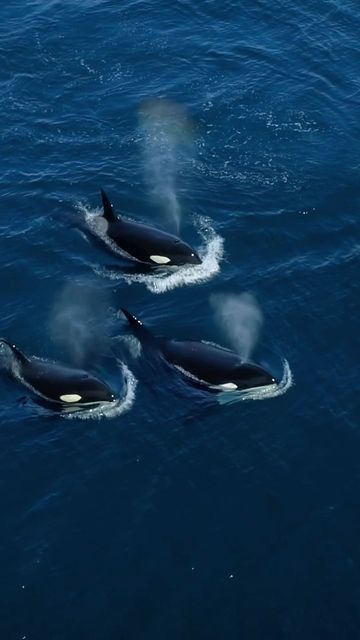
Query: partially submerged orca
[144, 243]
[208, 363]
[60, 384]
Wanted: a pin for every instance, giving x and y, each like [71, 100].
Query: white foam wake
[211, 253]
[110, 409]
[260, 393]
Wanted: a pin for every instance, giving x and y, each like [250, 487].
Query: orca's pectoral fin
[109, 213]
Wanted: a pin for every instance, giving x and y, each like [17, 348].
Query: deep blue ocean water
[178, 516]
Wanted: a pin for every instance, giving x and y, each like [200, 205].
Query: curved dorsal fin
[109, 213]
[19, 354]
[139, 329]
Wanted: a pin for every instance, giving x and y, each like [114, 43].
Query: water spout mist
[78, 321]
[241, 319]
[167, 142]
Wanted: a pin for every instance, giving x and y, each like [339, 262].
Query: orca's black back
[205, 361]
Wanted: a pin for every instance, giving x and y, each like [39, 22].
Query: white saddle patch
[70, 397]
[229, 386]
[160, 259]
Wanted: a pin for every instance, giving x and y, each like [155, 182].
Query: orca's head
[86, 390]
[249, 376]
[177, 253]
[187, 255]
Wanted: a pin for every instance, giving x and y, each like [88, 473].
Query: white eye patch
[70, 397]
[160, 259]
[229, 386]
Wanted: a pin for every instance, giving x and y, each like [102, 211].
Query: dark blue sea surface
[178, 515]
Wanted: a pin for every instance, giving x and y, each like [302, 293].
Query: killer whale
[59, 384]
[210, 365]
[144, 243]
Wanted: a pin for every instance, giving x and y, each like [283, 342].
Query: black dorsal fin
[19, 354]
[139, 329]
[109, 213]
